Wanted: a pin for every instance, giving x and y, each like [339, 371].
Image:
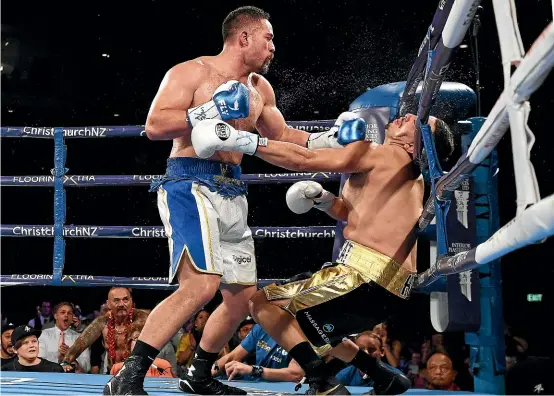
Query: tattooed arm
[87, 338]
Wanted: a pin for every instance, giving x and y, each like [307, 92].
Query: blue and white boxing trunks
[204, 211]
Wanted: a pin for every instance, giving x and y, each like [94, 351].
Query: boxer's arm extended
[271, 123]
[87, 338]
[354, 158]
[167, 118]
[338, 210]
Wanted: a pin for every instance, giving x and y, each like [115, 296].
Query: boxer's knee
[202, 286]
[237, 298]
[256, 303]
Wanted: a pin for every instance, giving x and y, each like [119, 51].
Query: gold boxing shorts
[358, 291]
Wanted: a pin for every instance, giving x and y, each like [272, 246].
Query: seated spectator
[159, 367]
[189, 340]
[391, 348]
[241, 333]
[439, 373]
[56, 341]
[273, 363]
[26, 346]
[433, 345]
[7, 352]
[43, 316]
[414, 367]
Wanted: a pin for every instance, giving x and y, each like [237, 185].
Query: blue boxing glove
[230, 100]
[348, 128]
[351, 131]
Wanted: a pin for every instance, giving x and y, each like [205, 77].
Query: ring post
[487, 353]
[59, 205]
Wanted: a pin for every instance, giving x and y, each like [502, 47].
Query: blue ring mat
[22, 383]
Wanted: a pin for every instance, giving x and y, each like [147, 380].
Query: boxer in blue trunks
[202, 202]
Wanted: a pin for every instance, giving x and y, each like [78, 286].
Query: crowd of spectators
[433, 362]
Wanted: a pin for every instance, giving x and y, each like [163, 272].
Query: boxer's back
[384, 205]
[213, 76]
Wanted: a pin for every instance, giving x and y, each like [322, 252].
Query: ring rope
[138, 282]
[137, 180]
[128, 131]
[93, 231]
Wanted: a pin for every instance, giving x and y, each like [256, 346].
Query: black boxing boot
[325, 385]
[198, 377]
[387, 380]
[317, 374]
[130, 378]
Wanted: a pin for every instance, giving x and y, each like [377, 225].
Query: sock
[201, 366]
[147, 352]
[335, 365]
[365, 363]
[305, 356]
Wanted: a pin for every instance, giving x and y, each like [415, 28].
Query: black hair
[240, 17]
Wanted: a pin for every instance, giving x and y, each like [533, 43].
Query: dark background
[327, 54]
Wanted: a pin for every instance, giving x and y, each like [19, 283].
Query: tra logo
[242, 259]
[222, 131]
[328, 327]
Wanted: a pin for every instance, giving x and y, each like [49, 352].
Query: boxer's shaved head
[241, 18]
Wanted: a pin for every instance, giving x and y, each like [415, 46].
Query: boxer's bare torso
[210, 76]
[384, 204]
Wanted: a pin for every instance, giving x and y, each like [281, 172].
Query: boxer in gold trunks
[375, 270]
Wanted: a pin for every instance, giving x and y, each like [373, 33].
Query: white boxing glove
[304, 195]
[328, 139]
[209, 136]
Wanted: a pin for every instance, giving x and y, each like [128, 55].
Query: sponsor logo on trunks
[222, 131]
[242, 259]
[317, 329]
[327, 327]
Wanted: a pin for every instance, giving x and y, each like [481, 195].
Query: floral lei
[111, 335]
